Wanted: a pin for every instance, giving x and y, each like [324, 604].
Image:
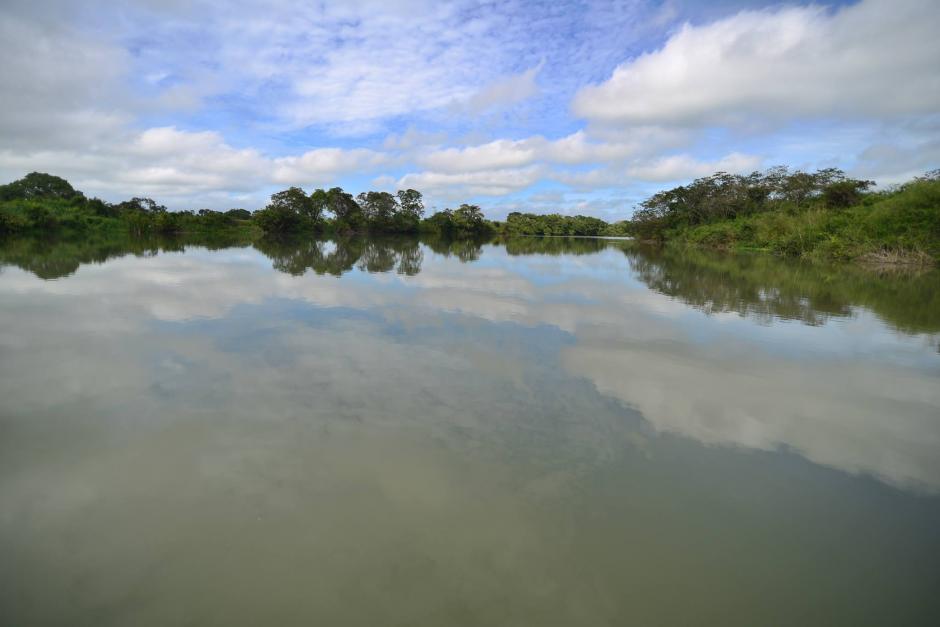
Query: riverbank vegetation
[42, 203]
[821, 215]
[816, 215]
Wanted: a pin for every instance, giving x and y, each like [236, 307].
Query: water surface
[532, 432]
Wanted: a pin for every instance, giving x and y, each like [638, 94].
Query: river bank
[898, 226]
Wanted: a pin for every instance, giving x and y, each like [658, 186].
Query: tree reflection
[338, 256]
[466, 249]
[766, 288]
[56, 257]
[759, 286]
[556, 245]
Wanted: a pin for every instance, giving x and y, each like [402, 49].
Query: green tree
[847, 193]
[468, 215]
[295, 200]
[378, 207]
[39, 185]
[287, 211]
[238, 214]
[140, 205]
[346, 211]
[411, 203]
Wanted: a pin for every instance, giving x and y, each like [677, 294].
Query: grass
[897, 227]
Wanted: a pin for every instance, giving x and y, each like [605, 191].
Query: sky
[560, 106]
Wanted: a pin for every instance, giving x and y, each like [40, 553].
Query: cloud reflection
[855, 396]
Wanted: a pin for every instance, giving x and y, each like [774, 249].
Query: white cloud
[324, 164]
[484, 182]
[876, 58]
[574, 149]
[506, 91]
[671, 168]
[683, 167]
[186, 168]
[502, 153]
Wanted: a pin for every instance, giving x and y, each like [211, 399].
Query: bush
[844, 194]
[275, 219]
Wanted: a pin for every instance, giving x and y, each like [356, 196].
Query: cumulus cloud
[876, 58]
[506, 166]
[186, 167]
[483, 182]
[679, 167]
[502, 153]
[164, 161]
[324, 164]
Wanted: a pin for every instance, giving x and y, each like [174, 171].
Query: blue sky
[575, 107]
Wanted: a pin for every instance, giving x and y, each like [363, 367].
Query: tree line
[43, 202]
[790, 212]
[724, 196]
[823, 214]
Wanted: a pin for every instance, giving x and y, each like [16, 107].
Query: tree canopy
[39, 185]
[724, 196]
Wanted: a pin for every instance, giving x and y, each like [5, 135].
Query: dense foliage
[824, 214]
[41, 202]
[794, 213]
[466, 220]
[724, 196]
[553, 224]
[45, 203]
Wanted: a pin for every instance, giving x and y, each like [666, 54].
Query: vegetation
[46, 203]
[823, 214]
[553, 224]
[465, 221]
[814, 215]
[42, 203]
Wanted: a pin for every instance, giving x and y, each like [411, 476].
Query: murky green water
[546, 432]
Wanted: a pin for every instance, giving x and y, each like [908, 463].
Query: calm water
[542, 432]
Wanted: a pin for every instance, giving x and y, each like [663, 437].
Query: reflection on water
[537, 431]
[767, 288]
[757, 286]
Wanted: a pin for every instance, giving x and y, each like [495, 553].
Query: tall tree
[378, 207]
[295, 200]
[39, 185]
[345, 209]
[320, 201]
[411, 202]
